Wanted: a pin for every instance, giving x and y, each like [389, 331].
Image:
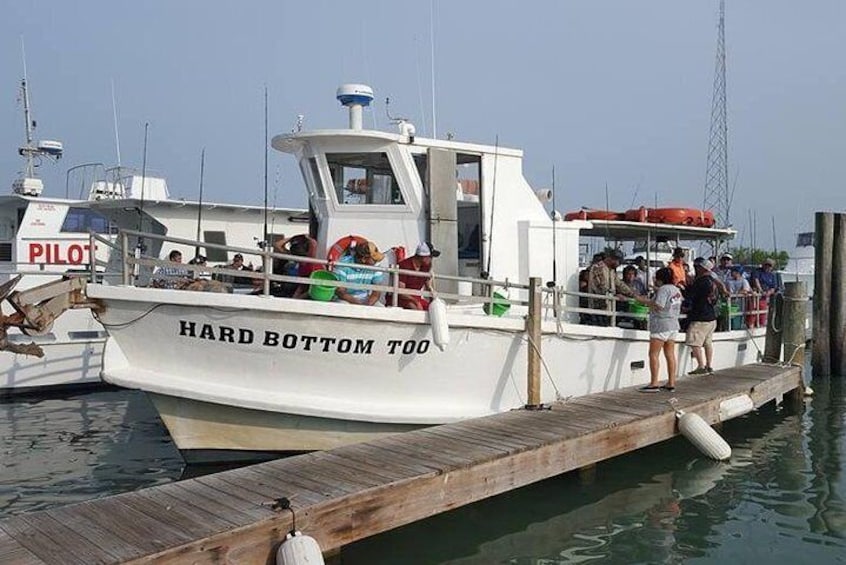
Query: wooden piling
[775, 327]
[795, 297]
[533, 332]
[837, 320]
[823, 242]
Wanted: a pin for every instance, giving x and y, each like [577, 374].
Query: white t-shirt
[666, 319]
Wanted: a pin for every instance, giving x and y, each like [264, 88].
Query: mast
[717, 197]
[28, 184]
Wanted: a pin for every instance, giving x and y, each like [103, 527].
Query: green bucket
[498, 306]
[638, 309]
[732, 311]
[321, 292]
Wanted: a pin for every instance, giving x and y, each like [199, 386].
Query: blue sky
[607, 91]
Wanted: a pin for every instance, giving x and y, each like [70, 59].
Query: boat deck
[353, 492]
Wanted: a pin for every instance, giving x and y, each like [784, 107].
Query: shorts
[663, 336]
[699, 333]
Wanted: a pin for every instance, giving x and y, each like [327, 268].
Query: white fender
[438, 320]
[703, 436]
[298, 549]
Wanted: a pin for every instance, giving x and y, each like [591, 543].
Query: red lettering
[75, 254]
[36, 250]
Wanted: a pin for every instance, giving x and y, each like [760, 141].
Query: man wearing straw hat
[363, 254]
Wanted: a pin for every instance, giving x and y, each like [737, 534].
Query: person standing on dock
[702, 316]
[665, 309]
[603, 280]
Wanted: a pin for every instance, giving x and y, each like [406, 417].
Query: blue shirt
[348, 272]
[767, 280]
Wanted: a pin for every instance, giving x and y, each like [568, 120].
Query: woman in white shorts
[664, 311]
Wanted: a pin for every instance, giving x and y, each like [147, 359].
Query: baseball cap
[426, 249]
[727, 256]
[369, 249]
[703, 263]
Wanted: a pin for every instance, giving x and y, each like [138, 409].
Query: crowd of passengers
[706, 291]
[347, 269]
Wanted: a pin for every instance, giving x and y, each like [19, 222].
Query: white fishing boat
[234, 375]
[800, 265]
[45, 238]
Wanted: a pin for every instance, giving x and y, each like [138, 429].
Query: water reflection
[62, 449]
[780, 498]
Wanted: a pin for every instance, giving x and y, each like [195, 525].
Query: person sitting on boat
[764, 280]
[631, 278]
[642, 270]
[678, 267]
[603, 280]
[201, 261]
[724, 269]
[737, 284]
[363, 254]
[237, 264]
[702, 316]
[421, 261]
[171, 276]
[300, 245]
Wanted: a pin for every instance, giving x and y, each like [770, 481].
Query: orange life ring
[637, 214]
[682, 216]
[590, 214]
[675, 216]
[342, 245]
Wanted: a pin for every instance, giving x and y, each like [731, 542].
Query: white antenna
[432, 46]
[31, 151]
[23, 56]
[114, 116]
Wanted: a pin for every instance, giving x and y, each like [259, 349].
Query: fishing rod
[554, 234]
[200, 203]
[264, 241]
[487, 272]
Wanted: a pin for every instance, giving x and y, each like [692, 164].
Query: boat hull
[263, 374]
[73, 357]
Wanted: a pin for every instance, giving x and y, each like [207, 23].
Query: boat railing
[491, 291]
[487, 292]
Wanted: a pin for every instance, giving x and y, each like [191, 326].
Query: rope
[545, 366]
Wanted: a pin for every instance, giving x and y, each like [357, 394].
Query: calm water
[779, 500]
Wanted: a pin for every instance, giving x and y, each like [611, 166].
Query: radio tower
[717, 197]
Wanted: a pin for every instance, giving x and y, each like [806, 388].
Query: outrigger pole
[200, 203]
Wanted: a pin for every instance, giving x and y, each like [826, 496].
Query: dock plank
[13, 553]
[52, 541]
[353, 492]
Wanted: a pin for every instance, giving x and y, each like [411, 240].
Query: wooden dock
[353, 492]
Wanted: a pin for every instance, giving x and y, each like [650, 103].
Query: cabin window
[83, 220]
[805, 239]
[5, 252]
[468, 185]
[312, 177]
[214, 255]
[364, 178]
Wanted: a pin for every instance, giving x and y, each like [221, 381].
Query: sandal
[649, 388]
[668, 388]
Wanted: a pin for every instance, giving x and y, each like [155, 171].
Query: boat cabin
[395, 189]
